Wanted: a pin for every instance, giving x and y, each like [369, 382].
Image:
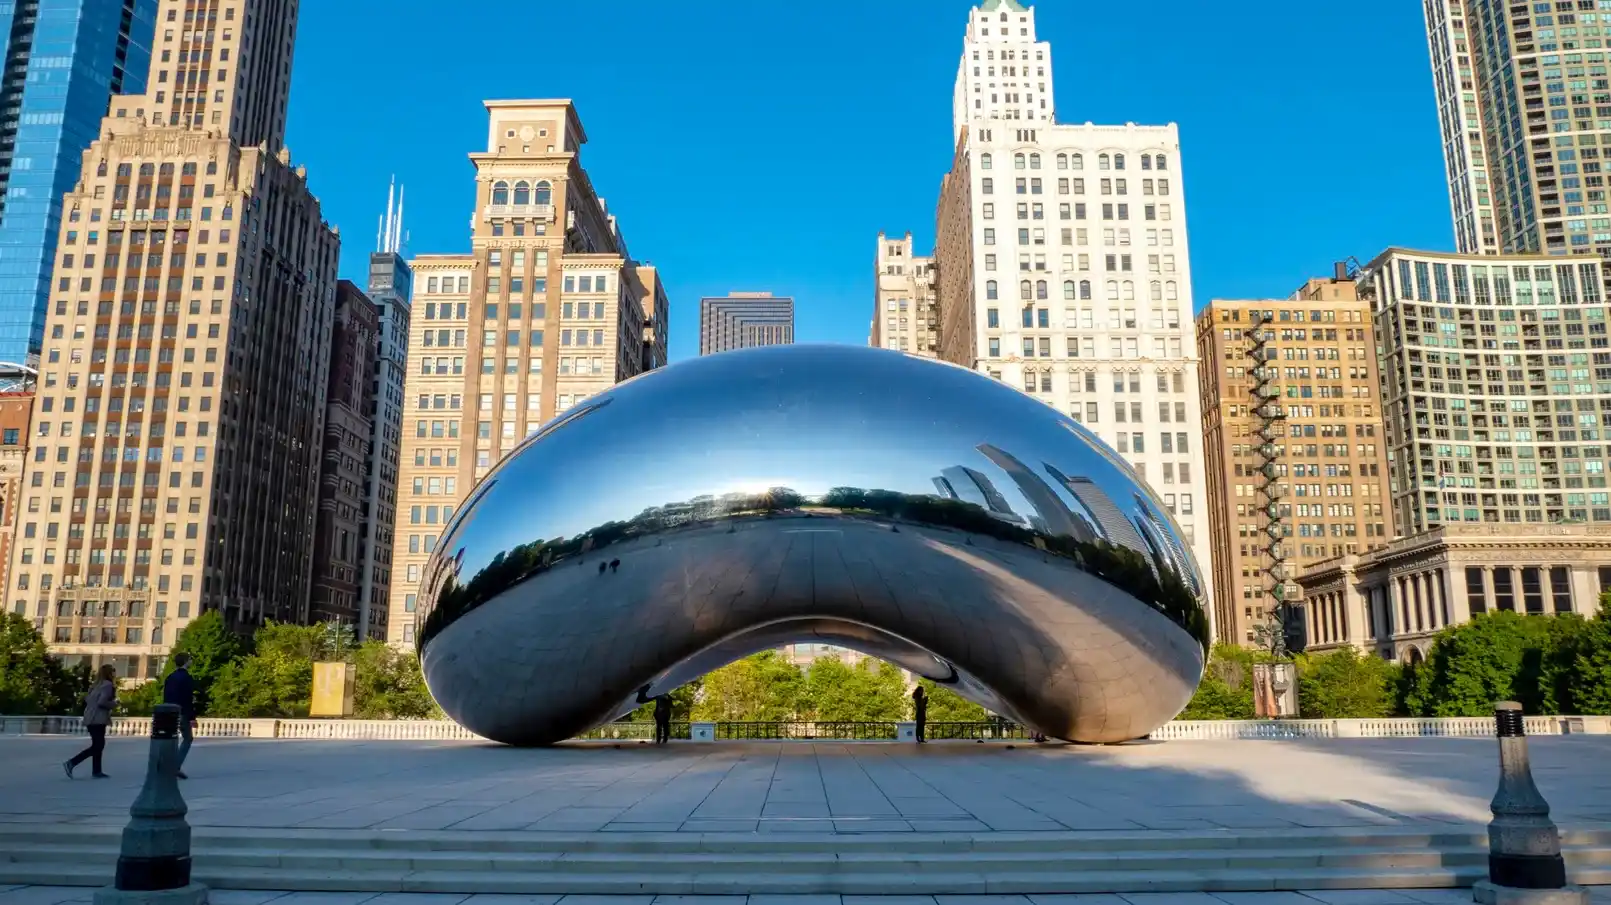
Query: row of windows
[1158, 290]
[524, 193]
[1076, 161]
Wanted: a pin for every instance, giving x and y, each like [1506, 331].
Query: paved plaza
[65, 895]
[815, 787]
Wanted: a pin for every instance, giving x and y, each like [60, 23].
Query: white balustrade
[1178, 730]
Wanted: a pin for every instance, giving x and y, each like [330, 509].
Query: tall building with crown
[178, 427]
[547, 309]
[1063, 265]
[391, 287]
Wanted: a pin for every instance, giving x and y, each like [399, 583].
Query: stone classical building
[1331, 465]
[547, 309]
[1064, 267]
[178, 426]
[906, 315]
[348, 426]
[1391, 601]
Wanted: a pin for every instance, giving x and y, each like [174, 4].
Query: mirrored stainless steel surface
[906, 508]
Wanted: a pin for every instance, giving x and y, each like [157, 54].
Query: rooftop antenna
[389, 237]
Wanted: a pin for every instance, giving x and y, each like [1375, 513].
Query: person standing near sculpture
[180, 690]
[662, 719]
[98, 706]
[920, 712]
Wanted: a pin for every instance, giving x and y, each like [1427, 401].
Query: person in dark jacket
[97, 717]
[662, 719]
[920, 712]
[180, 690]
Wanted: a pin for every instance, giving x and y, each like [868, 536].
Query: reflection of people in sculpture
[920, 711]
[662, 719]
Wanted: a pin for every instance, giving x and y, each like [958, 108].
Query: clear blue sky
[762, 146]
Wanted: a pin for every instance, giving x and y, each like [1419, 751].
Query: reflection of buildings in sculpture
[1166, 548]
[1052, 515]
[962, 483]
[1110, 521]
[1085, 521]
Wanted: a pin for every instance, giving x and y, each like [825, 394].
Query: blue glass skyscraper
[64, 59]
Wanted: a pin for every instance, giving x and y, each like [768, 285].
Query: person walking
[98, 706]
[662, 719]
[180, 690]
[920, 712]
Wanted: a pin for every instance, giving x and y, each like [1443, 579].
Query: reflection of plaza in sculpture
[945, 523]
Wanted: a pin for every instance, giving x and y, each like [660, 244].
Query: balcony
[543, 212]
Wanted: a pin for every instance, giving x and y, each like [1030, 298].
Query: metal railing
[806, 730]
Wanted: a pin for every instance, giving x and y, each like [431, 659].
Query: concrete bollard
[153, 866]
[1525, 866]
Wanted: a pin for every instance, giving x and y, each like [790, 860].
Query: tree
[266, 684]
[1497, 656]
[141, 700]
[946, 706]
[1581, 665]
[212, 647]
[32, 681]
[869, 691]
[25, 666]
[1226, 691]
[761, 687]
[1345, 684]
[389, 685]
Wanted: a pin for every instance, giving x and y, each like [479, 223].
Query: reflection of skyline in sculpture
[1162, 537]
[1069, 621]
[967, 485]
[1115, 528]
[1052, 514]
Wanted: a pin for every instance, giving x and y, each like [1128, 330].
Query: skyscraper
[743, 320]
[1331, 464]
[1063, 262]
[547, 309]
[1524, 125]
[64, 60]
[391, 287]
[1454, 78]
[179, 423]
[1496, 400]
[350, 413]
[905, 314]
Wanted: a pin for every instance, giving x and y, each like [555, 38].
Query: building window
[1560, 583]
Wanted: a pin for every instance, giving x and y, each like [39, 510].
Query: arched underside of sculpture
[911, 510]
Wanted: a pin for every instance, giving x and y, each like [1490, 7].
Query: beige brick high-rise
[906, 309]
[546, 310]
[1333, 465]
[177, 430]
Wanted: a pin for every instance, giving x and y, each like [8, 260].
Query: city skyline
[1106, 75]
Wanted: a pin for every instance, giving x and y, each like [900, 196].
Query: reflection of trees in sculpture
[1155, 583]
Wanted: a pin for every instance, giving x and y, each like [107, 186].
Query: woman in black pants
[97, 716]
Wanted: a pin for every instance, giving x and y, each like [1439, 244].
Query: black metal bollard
[1525, 866]
[153, 865]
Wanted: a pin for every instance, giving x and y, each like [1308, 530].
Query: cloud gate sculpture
[912, 510]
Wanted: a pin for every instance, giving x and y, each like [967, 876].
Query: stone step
[829, 862]
[960, 882]
[22, 836]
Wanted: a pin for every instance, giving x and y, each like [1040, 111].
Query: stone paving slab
[815, 787]
[75, 895]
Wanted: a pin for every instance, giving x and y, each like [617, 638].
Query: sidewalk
[67, 895]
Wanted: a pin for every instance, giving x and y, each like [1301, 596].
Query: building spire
[389, 237]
